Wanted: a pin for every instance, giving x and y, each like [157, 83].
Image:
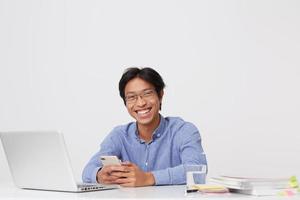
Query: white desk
[155, 192]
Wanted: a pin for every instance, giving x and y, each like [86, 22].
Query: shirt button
[146, 163]
[158, 135]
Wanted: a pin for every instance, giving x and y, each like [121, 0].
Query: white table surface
[9, 191]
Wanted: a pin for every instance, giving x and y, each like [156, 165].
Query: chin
[144, 121]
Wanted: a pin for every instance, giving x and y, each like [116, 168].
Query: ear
[161, 94]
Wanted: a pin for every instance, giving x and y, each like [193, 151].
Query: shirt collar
[157, 132]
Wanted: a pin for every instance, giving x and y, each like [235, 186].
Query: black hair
[147, 74]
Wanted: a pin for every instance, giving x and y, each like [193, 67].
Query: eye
[148, 93]
[130, 98]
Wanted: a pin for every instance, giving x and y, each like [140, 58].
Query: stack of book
[258, 186]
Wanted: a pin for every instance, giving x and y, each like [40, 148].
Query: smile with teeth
[143, 112]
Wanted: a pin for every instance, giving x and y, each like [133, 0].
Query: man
[154, 149]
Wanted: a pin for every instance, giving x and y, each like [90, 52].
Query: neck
[146, 130]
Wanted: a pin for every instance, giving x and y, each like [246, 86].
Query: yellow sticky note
[293, 182]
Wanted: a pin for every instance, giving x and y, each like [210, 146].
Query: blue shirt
[175, 143]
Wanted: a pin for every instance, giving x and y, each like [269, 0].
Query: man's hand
[132, 176]
[128, 175]
[105, 175]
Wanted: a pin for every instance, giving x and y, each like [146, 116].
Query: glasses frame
[145, 94]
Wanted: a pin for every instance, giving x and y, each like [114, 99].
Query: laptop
[39, 160]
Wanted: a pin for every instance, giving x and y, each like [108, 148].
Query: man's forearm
[170, 176]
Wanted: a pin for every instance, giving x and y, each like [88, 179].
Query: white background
[231, 67]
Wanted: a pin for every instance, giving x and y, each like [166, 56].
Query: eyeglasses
[145, 94]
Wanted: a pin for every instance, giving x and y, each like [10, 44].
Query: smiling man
[154, 150]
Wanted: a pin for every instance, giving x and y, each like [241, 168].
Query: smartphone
[110, 160]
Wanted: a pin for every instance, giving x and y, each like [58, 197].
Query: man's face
[142, 101]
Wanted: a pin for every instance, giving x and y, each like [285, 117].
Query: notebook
[258, 186]
[39, 160]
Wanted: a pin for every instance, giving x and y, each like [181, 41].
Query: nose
[140, 101]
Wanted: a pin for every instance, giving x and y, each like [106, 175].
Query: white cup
[195, 174]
